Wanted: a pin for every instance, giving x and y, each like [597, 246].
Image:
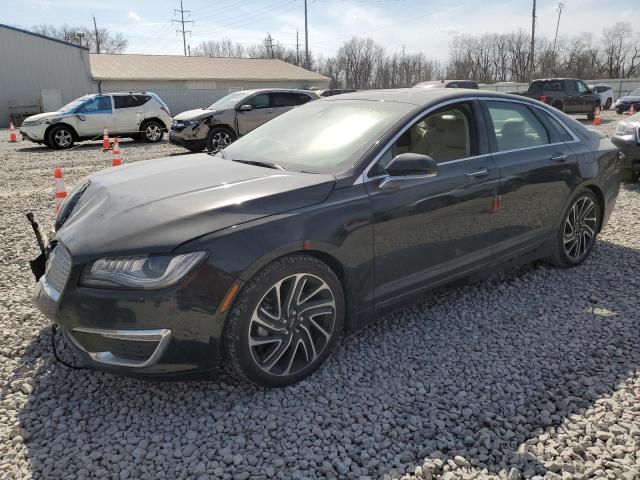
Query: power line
[182, 21]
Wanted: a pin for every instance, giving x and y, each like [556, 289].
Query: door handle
[479, 173]
[559, 158]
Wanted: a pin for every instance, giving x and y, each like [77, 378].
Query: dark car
[627, 139]
[232, 116]
[318, 221]
[631, 99]
[568, 95]
[447, 84]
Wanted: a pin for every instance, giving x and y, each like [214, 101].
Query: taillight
[543, 98]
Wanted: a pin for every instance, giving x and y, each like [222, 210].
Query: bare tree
[224, 48]
[620, 51]
[85, 36]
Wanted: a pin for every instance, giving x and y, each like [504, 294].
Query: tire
[307, 340]
[618, 111]
[607, 104]
[569, 250]
[558, 106]
[218, 138]
[152, 131]
[61, 137]
[592, 115]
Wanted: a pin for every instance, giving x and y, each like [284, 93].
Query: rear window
[546, 86]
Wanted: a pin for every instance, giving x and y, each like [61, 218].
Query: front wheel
[60, 137]
[218, 138]
[577, 234]
[285, 322]
[152, 131]
[607, 104]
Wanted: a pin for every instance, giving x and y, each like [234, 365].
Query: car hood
[156, 205]
[41, 116]
[196, 114]
[630, 98]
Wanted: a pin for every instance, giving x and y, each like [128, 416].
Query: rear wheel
[558, 106]
[576, 236]
[151, 131]
[218, 138]
[61, 137]
[285, 322]
[607, 104]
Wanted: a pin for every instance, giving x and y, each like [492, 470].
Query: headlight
[141, 272]
[39, 122]
[625, 129]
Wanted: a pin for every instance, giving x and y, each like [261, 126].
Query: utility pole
[182, 21]
[533, 40]
[189, 49]
[306, 37]
[95, 26]
[269, 44]
[403, 68]
[560, 7]
[297, 49]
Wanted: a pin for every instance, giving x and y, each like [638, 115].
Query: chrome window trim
[364, 178]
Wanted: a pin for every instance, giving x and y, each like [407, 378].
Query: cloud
[135, 16]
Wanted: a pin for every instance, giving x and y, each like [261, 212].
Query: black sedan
[321, 220]
[631, 99]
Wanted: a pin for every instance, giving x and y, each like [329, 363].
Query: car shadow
[483, 381]
[88, 145]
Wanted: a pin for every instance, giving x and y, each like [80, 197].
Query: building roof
[178, 67]
[16, 29]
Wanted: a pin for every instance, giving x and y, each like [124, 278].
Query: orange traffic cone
[61, 191]
[116, 160]
[596, 117]
[105, 139]
[12, 133]
[632, 109]
[496, 204]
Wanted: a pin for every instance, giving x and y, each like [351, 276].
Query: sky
[416, 25]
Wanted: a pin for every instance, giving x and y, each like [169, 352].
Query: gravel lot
[535, 374]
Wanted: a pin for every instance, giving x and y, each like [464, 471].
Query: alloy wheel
[153, 132]
[580, 228]
[220, 140]
[62, 138]
[292, 324]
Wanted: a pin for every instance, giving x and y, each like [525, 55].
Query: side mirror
[413, 165]
[245, 108]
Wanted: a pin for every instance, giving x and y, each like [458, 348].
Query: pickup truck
[568, 95]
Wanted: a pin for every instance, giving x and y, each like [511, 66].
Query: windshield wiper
[259, 163]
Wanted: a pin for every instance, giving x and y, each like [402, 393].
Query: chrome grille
[58, 268]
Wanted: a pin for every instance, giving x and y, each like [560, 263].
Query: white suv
[605, 92]
[136, 115]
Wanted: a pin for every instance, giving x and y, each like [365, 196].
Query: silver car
[232, 116]
[137, 115]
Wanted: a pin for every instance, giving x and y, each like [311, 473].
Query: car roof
[420, 97]
[289, 90]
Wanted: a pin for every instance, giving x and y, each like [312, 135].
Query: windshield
[321, 136]
[634, 93]
[228, 102]
[69, 107]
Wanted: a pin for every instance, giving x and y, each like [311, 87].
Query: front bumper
[629, 146]
[157, 333]
[181, 141]
[34, 133]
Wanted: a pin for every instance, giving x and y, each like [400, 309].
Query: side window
[582, 88]
[123, 101]
[303, 98]
[554, 127]
[284, 99]
[259, 101]
[515, 126]
[97, 105]
[447, 134]
[572, 88]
